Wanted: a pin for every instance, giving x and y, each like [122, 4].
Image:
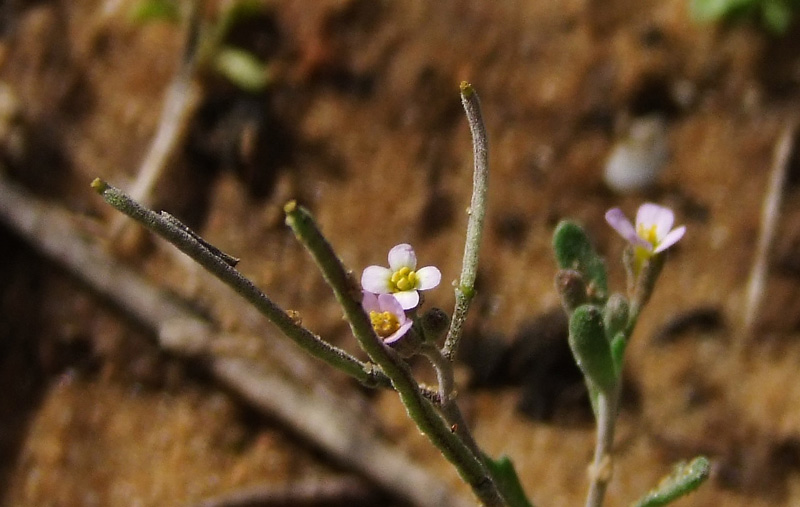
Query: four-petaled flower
[653, 232]
[401, 279]
[387, 316]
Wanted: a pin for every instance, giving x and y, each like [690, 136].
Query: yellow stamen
[403, 279]
[648, 234]
[384, 323]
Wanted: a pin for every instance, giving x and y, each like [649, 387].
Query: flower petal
[651, 214]
[369, 302]
[375, 279]
[617, 219]
[402, 256]
[428, 277]
[399, 333]
[408, 299]
[389, 303]
[670, 239]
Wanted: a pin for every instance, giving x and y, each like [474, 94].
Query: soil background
[361, 122]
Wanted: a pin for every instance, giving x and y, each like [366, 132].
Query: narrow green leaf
[502, 469]
[685, 478]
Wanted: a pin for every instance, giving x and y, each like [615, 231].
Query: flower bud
[408, 344]
[571, 288]
[615, 315]
[434, 323]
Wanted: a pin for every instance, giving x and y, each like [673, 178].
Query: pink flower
[387, 316]
[401, 278]
[653, 232]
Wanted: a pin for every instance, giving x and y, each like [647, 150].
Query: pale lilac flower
[401, 278]
[386, 315]
[653, 232]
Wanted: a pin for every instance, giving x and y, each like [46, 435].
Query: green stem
[477, 212]
[447, 402]
[419, 408]
[187, 242]
[602, 464]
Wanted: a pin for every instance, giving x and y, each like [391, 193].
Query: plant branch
[770, 212]
[165, 226]
[419, 408]
[447, 395]
[323, 491]
[477, 212]
[319, 414]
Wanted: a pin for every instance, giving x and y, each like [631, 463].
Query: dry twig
[319, 414]
[330, 491]
[770, 212]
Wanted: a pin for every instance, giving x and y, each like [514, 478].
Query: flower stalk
[600, 326]
[465, 290]
[418, 406]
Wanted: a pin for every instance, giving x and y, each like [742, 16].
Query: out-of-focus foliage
[237, 65]
[774, 15]
[153, 10]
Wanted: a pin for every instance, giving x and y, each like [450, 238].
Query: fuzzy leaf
[574, 251]
[590, 347]
[685, 478]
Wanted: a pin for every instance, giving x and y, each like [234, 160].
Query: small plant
[774, 15]
[207, 39]
[385, 316]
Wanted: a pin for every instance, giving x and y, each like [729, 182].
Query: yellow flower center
[384, 323]
[403, 279]
[648, 234]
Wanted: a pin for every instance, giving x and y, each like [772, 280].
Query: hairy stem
[601, 470]
[418, 406]
[477, 212]
[447, 403]
[189, 243]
